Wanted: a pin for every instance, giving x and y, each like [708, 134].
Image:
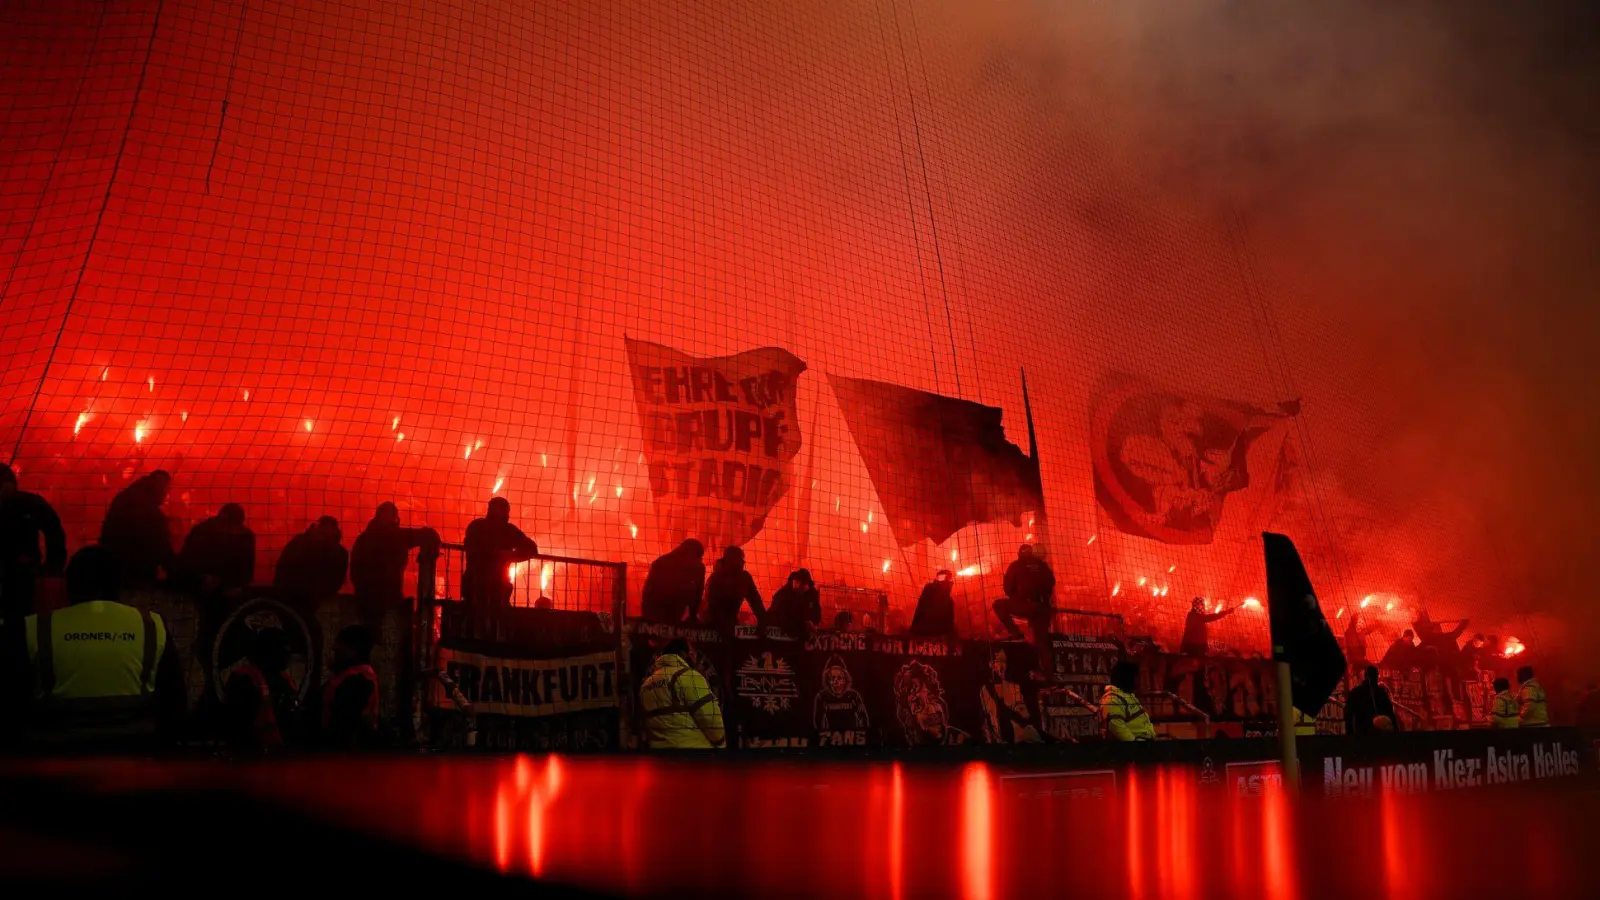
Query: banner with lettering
[529, 687]
[1082, 671]
[719, 435]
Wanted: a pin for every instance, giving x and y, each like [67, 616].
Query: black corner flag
[1300, 634]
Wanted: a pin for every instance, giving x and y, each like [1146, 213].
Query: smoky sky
[1388, 209]
[1419, 183]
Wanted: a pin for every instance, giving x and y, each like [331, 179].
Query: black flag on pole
[1300, 634]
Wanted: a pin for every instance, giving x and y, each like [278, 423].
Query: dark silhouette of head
[944, 575]
[1125, 676]
[841, 622]
[800, 579]
[269, 650]
[1408, 636]
[1502, 685]
[1370, 676]
[732, 558]
[1524, 674]
[8, 482]
[678, 647]
[353, 646]
[158, 483]
[499, 510]
[231, 515]
[1025, 551]
[1198, 604]
[92, 575]
[691, 549]
[387, 514]
[327, 529]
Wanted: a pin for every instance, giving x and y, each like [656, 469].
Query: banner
[529, 687]
[857, 689]
[1300, 633]
[1164, 463]
[938, 463]
[719, 434]
[1083, 667]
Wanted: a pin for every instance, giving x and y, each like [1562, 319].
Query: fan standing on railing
[493, 545]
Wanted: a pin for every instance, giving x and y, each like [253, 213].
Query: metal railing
[1179, 702]
[546, 582]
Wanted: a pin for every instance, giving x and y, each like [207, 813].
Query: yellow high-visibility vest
[1503, 714]
[94, 669]
[680, 712]
[1533, 712]
[1304, 725]
[1123, 716]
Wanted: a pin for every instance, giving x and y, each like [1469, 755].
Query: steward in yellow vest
[1532, 712]
[1121, 713]
[1503, 708]
[1304, 725]
[680, 712]
[104, 674]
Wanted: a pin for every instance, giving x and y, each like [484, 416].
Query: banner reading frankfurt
[1164, 463]
[938, 463]
[719, 434]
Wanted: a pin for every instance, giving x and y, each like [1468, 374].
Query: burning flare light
[1252, 603]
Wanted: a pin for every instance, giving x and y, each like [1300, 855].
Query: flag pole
[1041, 531]
[1286, 735]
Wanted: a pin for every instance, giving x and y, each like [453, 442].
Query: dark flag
[938, 463]
[719, 434]
[1164, 463]
[1300, 635]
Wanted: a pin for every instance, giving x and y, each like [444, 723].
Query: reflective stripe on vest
[676, 704]
[266, 723]
[100, 688]
[369, 712]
